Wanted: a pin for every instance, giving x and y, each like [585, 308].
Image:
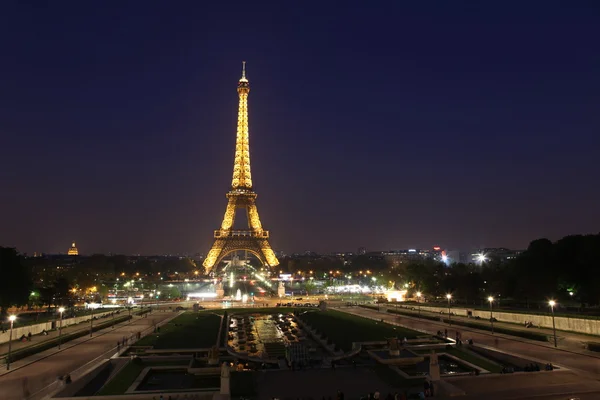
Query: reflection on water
[451, 366]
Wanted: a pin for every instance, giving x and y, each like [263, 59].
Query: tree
[171, 293]
[15, 285]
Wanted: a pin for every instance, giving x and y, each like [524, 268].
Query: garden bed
[344, 329]
[189, 330]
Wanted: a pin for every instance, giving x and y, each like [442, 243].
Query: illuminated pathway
[582, 379]
[39, 375]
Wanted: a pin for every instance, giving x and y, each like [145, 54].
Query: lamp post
[491, 300]
[61, 311]
[91, 320]
[12, 320]
[419, 302]
[449, 296]
[157, 300]
[552, 303]
[142, 306]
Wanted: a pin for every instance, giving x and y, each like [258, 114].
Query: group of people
[26, 338]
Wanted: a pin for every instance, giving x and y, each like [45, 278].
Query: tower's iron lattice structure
[255, 239]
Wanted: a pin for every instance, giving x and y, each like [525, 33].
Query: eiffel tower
[255, 239]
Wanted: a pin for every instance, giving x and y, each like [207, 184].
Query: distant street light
[12, 320]
[419, 302]
[491, 300]
[61, 311]
[449, 296]
[91, 320]
[552, 303]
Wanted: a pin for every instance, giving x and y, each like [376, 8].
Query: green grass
[189, 330]
[125, 378]
[344, 329]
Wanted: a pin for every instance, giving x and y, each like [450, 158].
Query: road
[34, 377]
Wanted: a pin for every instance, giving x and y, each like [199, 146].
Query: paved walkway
[566, 340]
[36, 375]
[39, 339]
[585, 364]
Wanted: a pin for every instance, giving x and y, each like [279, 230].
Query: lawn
[343, 328]
[125, 378]
[468, 356]
[189, 330]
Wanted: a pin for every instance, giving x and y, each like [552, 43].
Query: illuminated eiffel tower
[255, 239]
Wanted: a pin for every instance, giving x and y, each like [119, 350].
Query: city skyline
[383, 128]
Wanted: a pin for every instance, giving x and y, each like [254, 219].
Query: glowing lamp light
[552, 303]
[61, 310]
[448, 296]
[12, 318]
[418, 294]
[490, 299]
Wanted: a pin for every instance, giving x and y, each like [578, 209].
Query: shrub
[593, 346]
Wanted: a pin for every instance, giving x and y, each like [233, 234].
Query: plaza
[274, 352]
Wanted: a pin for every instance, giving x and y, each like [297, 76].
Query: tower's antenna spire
[243, 78]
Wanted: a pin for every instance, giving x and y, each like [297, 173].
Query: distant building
[73, 250]
[362, 251]
[499, 254]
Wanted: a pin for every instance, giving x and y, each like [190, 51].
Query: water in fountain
[238, 295]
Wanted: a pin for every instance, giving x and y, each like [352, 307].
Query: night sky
[407, 124]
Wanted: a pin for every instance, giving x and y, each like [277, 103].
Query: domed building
[73, 250]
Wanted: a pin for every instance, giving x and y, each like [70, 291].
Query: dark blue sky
[407, 124]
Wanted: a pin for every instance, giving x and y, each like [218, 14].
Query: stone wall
[580, 325]
[36, 329]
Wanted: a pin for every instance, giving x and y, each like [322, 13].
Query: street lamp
[61, 311]
[91, 320]
[157, 300]
[552, 303]
[449, 296]
[12, 320]
[419, 302]
[491, 300]
[142, 304]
